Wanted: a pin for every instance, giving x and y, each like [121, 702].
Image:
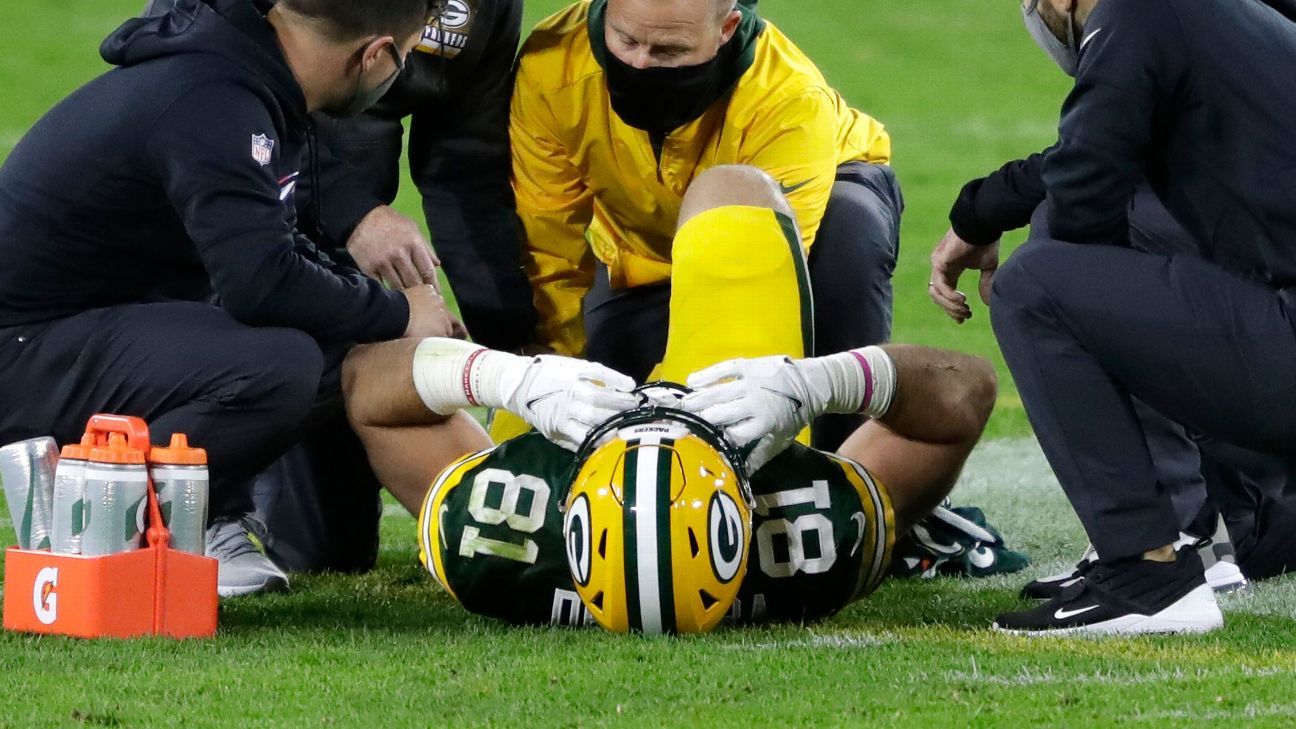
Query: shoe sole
[1196, 612]
[274, 584]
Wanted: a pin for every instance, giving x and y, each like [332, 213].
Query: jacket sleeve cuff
[394, 320]
[966, 221]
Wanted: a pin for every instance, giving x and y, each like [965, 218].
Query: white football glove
[565, 398]
[760, 404]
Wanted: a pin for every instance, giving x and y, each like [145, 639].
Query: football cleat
[658, 523]
[1126, 597]
[954, 541]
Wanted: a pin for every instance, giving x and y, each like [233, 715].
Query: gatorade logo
[80, 515]
[135, 516]
[44, 599]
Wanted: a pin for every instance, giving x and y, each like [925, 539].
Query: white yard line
[838, 641]
[1029, 677]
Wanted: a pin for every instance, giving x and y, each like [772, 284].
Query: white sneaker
[238, 545]
[1225, 577]
[1218, 556]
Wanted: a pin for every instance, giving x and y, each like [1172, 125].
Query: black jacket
[455, 91]
[1193, 95]
[1198, 96]
[172, 176]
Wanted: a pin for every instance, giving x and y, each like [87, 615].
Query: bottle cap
[79, 451]
[179, 453]
[116, 451]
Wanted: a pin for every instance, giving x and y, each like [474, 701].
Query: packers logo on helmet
[658, 523]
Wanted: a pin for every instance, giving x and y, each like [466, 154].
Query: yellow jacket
[579, 171]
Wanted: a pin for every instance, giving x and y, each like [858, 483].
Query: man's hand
[760, 404]
[390, 247]
[428, 315]
[566, 398]
[952, 257]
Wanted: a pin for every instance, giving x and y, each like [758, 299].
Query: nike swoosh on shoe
[1063, 614]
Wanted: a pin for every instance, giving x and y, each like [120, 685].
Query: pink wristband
[868, 380]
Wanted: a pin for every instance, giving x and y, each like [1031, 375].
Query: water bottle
[116, 498]
[180, 478]
[68, 520]
[27, 473]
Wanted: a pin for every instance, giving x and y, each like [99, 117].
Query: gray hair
[724, 7]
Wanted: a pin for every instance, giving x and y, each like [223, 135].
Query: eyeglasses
[396, 56]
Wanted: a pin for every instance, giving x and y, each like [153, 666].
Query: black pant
[1087, 328]
[237, 391]
[321, 502]
[850, 263]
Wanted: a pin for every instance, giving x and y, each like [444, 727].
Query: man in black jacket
[320, 500]
[169, 181]
[455, 94]
[1193, 96]
[1012, 197]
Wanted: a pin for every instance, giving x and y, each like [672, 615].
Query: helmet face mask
[658, 524]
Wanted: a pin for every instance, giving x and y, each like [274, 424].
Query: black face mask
[661, 100]
[362, 98]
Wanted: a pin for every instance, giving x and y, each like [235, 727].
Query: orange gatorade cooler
[179, 475]
[157, 590]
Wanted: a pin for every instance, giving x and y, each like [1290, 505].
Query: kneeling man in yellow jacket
[619, 105]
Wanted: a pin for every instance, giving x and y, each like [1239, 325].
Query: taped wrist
[450, 374]
[859, 381]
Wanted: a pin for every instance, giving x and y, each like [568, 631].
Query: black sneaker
[1047, 588]
[1216, 553]
[1127, 597]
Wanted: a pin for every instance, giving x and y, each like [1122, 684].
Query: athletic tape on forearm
[858, 381]
[879, 375]
[450, 374]
[443, 373]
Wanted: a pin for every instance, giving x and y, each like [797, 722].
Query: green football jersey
[491, 533]
[822, 533]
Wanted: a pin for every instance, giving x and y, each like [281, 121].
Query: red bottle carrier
[153, 591]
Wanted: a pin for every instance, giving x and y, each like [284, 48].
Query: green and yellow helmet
[658, 522]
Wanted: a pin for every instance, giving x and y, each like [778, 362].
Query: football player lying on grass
[662, 556]
[492, 526]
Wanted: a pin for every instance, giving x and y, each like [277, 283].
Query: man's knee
[1021, 282]
[967, 392]
[729, 185]
[860, 232]
[287, 376]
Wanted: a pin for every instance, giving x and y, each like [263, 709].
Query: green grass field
[962, 90]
